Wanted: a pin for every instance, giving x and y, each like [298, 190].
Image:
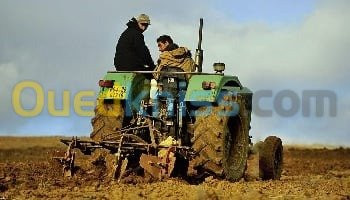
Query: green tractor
[188, 124]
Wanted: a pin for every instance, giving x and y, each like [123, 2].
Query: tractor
[186, 124]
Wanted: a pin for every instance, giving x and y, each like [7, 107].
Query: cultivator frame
[123, 143]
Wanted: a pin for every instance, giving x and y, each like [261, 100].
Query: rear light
[106, 83]
[208, 85]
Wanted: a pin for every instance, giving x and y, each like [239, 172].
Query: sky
[293, 45]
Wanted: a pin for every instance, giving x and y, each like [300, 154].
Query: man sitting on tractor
[132, 53]
[173, 56]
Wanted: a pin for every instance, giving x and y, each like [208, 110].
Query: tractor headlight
[207, 85]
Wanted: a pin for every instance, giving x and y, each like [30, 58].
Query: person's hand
[150, 67]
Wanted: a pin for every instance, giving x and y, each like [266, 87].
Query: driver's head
[163, 42]
[143, 21]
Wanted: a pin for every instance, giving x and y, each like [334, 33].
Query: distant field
[28, 142]
[16, 149]
[9, 142]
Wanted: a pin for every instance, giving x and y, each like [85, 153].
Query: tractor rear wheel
[108, 118]
[222, 141]
[271, 158]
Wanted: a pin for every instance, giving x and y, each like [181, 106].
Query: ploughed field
[28, 172]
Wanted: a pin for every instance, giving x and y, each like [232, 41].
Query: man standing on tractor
[173, 56]
[132, 53]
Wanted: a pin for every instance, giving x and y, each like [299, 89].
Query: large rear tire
[271, 158]
[222, 141]
[109, 115]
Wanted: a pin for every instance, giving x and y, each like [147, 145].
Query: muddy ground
[27, 172]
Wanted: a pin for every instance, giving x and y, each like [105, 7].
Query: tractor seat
[173, 82]
[172, 69]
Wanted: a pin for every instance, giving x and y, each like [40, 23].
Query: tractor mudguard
[126, 86]
[219, 82]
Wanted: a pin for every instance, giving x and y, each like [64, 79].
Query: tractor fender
[196, 93]
[127, 85]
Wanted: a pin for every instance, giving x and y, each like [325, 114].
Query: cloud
[10, 71]
[310, 51]
[8, 76]
[71, 45]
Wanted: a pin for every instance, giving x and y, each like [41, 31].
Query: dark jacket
[131, 52]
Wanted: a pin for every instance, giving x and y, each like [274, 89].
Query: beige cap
[143, 18]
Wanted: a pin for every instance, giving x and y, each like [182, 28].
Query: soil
[28, 172]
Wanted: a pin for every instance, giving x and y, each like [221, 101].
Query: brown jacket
[179, 57]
